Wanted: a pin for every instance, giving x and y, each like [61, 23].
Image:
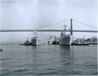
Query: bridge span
[47, 30]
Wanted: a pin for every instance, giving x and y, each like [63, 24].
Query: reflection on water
[65, 55]
[48, 60]
[66, 59]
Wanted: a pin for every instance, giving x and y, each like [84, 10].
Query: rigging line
[52, 24]
[91, 26]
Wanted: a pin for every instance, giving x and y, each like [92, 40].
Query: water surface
[19, 60]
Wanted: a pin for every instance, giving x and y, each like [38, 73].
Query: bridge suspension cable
[84, 24]
[48, 30]
[42, 26]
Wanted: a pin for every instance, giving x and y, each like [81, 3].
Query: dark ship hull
[65, 40]
[34, 41]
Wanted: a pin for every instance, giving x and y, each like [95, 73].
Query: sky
[40, 14]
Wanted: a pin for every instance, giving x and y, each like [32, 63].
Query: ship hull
[35, 42]
[65, 40]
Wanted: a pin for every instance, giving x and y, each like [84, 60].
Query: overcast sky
[34, 14]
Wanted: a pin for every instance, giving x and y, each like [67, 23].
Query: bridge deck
[47, 30]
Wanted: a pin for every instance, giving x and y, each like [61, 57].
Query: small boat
[1, 50]
[55, 41]
[26, 43]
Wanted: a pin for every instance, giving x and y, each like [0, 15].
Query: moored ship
[33, 42]
[53, 40]
[65, 39]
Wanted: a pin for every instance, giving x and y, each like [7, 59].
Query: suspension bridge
[53, 30]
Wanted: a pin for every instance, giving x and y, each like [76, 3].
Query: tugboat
[55, 42]
[27, 43]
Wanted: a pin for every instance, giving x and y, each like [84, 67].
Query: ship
[92, 41]
[33, 42]
[65, 39]
[53, 40]
[27, 42]
[79, 41]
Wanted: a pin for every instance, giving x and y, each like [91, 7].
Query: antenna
[65, 27]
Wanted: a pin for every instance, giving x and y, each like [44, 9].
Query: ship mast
[64, 29]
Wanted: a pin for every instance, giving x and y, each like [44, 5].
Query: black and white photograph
[48, 38]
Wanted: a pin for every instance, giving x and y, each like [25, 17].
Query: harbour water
[16, 60]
